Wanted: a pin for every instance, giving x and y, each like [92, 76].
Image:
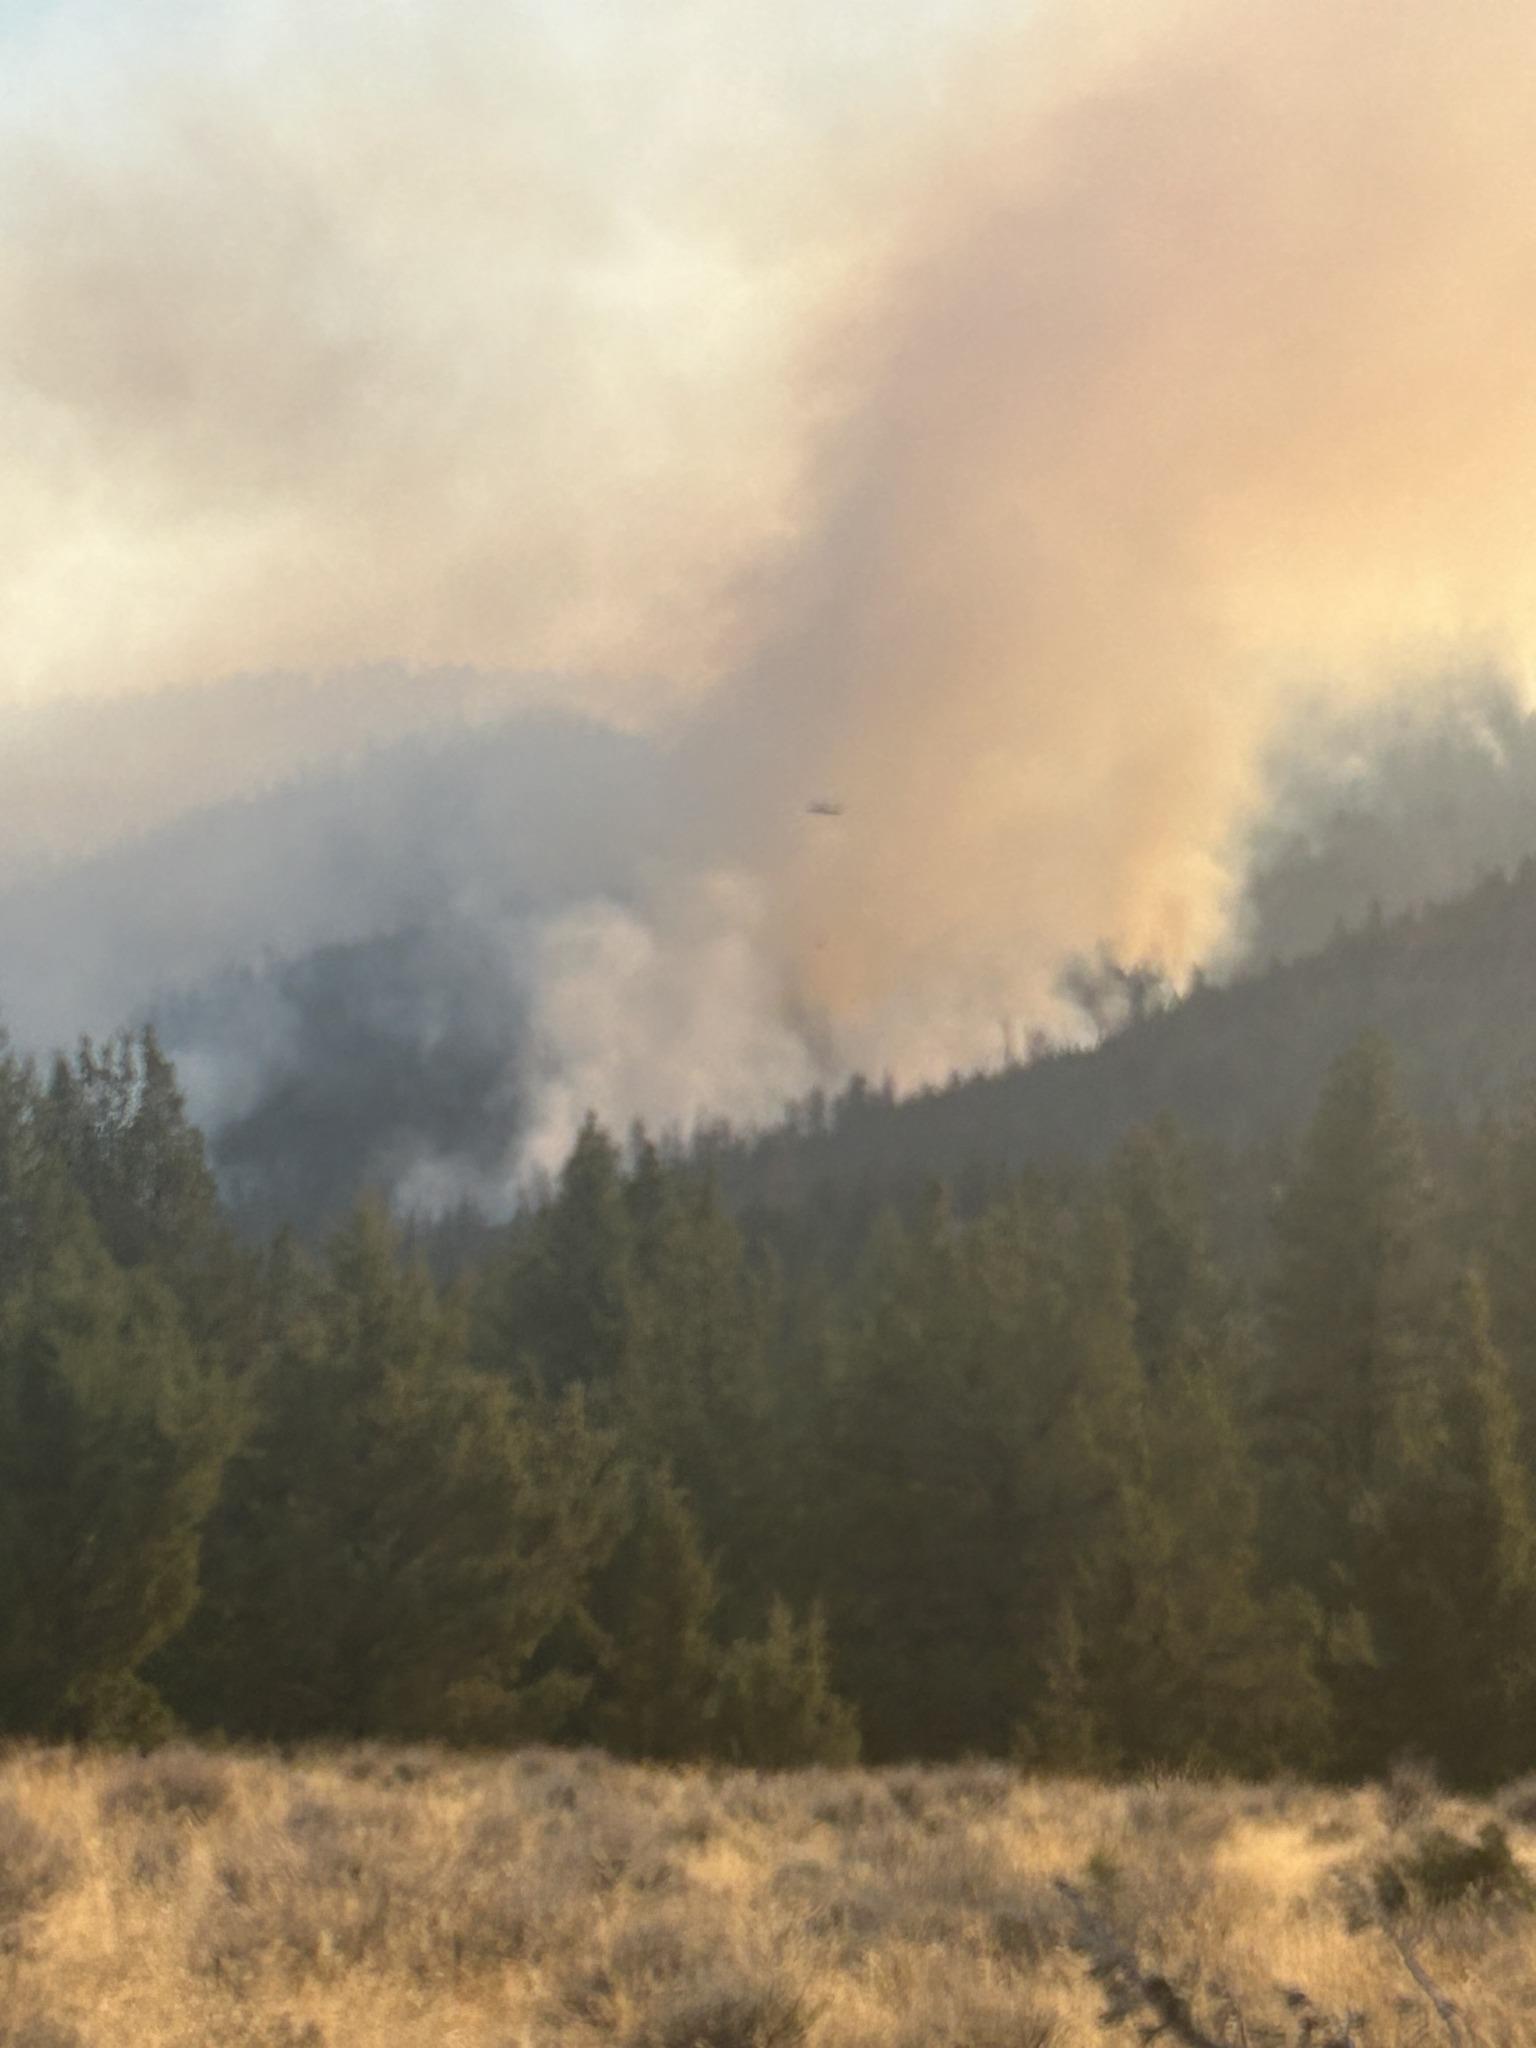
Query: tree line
[1061, 1470]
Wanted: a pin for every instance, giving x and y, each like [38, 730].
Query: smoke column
[1203, 389]
[1061, 421]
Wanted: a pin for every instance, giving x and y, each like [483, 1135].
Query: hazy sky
[499, 310]
[1004, 419]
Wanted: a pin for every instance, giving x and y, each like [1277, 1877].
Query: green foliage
[1156, 1188]
[1442, 1870]
[400, 1533]
[115, 1116]
[559, 1308]
[1449, 1570]
[112, 1439]
[1350, 1307]
[663, 1661]
[985, 1425]
[1037, 1466]
[697, 1394]
[776, 1709]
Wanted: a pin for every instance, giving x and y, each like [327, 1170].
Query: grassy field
[408, 1898]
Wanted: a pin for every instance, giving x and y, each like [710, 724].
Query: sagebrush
[381, 1898]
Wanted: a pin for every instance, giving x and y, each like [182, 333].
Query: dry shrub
[1195, 1813]
[276, 2030]
[497, 1836]
[334, 1897]
[1023, 1938]
[661, 1950]
[309, 1900]
[34, 1866]
[175, 1784]
[765, 2016]
[1409, 1793]
[157, 1857]
[852, 1807]
[977, 1788]
[342, 1901]
[36, 2030]
[696, 1830]
[1441, 1870]
[1006, 2028]
[374, 1763]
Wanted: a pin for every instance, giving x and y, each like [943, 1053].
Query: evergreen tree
[1503, 1201]
[400, 1534]
[34, 1184]
[696, 1392]
[1156, 1188]
[904, 1522]
[1349, 1308]
[1064, 1729]
[1193, 1663]
[649, 1190]
[776, 1709]
[117, 1118]
[1049, 1477]
[561, 1305]
[1450, 1575]
[1189, 1660]
[664, 1664]
[987, 1424]
[111, 1441]
[115, 1121]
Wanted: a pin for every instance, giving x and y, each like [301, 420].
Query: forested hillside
[1453, 986]
[1056, 1477]
[398, 1062]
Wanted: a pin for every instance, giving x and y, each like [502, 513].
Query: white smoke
[657, 1018]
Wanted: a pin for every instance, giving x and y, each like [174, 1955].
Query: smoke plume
[1002, 449]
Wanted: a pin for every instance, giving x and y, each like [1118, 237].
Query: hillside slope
[397, 1061]
[1453, 986]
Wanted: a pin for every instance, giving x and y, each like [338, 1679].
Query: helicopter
[824, 807]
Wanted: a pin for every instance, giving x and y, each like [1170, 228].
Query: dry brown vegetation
[406, 1897]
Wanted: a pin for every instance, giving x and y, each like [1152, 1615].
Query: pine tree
[1156, 1188]
[776, 1709]
[1191, 1661]
[1504, 1227]
[561, 1305]
[1349, 1307]
[696, 1390]
[117, 1117]
[988, 1426]
[33, 1182]
[1078, 1441]
[112, 1436]
[659, 1603]
[1196, 1665]
[906, 1532]
[401, 1534]
[1064, 1729]
[114, 1120]
[1450, 1574]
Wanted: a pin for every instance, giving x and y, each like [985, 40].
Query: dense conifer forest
[1211, 1452]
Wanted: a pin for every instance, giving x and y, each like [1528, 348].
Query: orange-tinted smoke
[1209, 385]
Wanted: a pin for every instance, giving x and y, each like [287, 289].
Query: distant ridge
[1453, 986]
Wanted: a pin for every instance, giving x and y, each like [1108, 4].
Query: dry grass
[389, 1899]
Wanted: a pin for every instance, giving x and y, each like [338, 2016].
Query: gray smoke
[1409, 803]
[1006, 442]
